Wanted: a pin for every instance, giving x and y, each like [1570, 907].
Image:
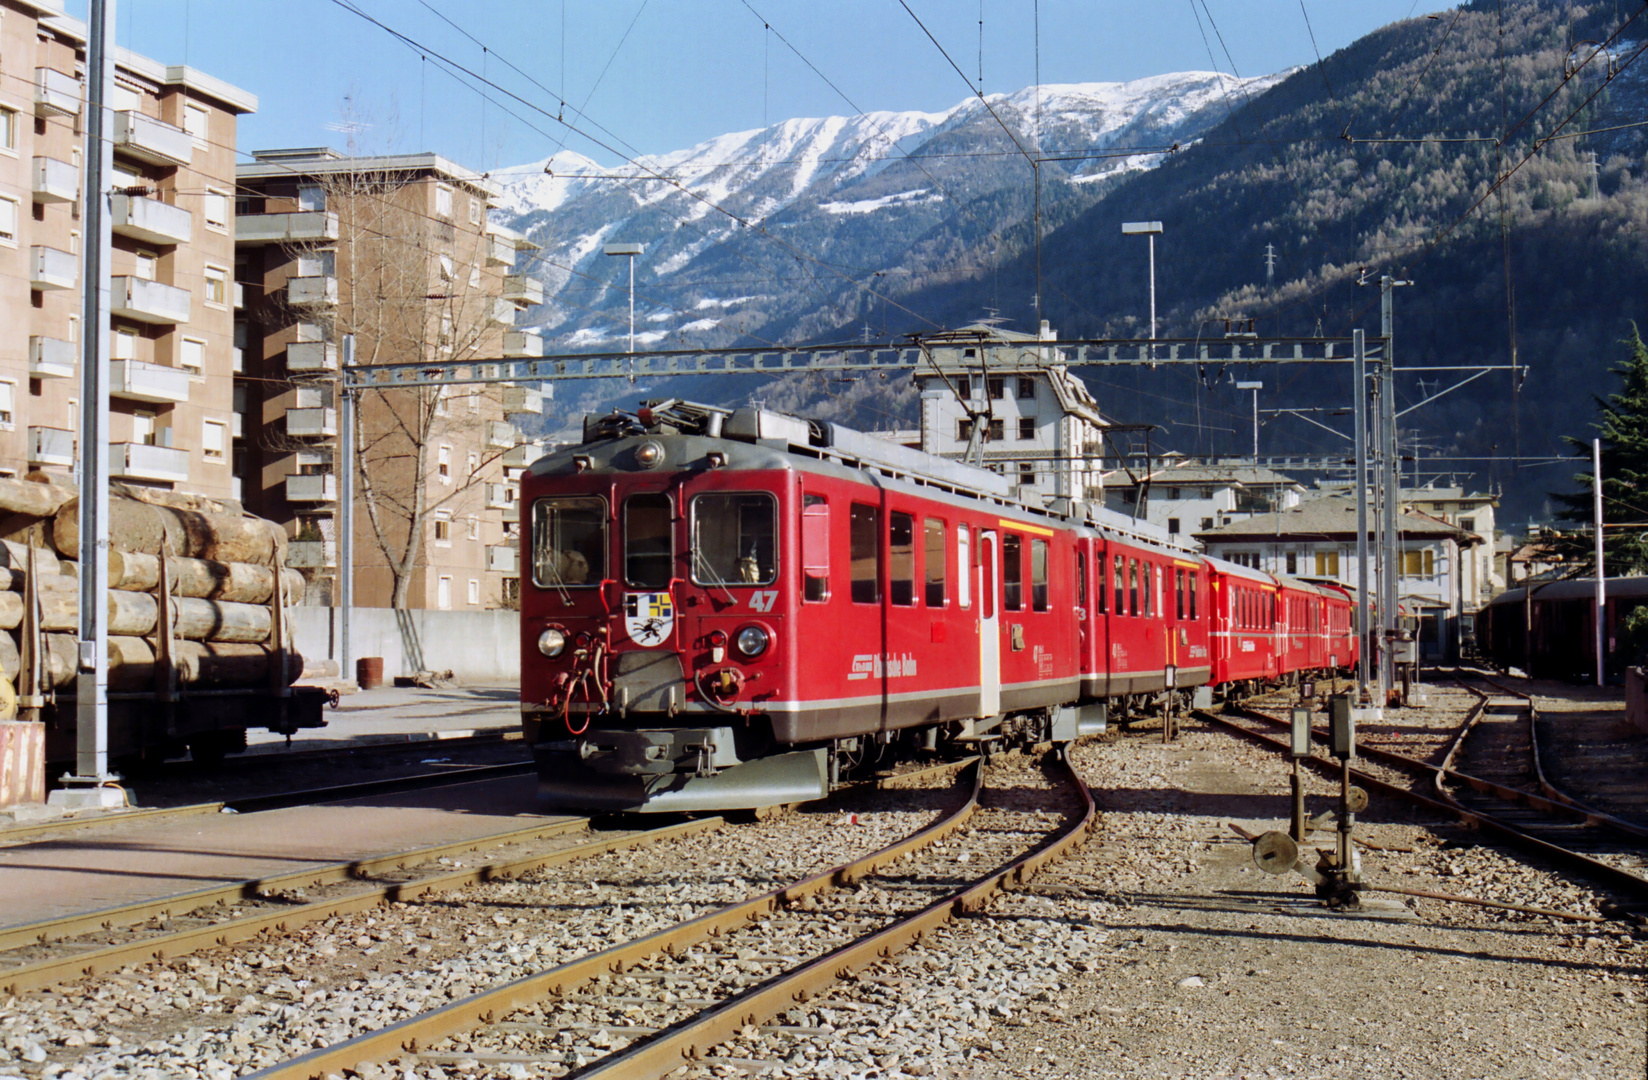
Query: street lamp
[631, 250]
[1255, 387]
[1150, 229]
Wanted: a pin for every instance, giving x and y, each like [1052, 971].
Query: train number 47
[763, 599]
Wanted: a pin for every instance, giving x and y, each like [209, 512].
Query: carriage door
[989, 631]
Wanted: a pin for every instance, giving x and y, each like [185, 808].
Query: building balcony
[302, 227]
[50, 268]
[311, 423]
[312, 554]
[312, 488]
[502, 313]
[140, 461]
[56, 94]
[519, 457]
[150, 220]
[321, 289]
[500, 251]
[311, 357]
[500, 559]
[55, 181]
[500, 435]
[500, 496]
[51, 446]
[523, 343]
[135, 380]
[53, 358]
[154, 141]
[520, 401]
[523, 290]
[148, 301]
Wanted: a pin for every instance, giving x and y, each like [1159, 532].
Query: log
[156, 530]
[177, 500]
[61, 657]
[218, 620]
[59, 606]
[240, 583]
[201, 665]
[132, 612]
[15, 556]
[32, 499]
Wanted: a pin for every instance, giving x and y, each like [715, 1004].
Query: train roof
[1576, 588]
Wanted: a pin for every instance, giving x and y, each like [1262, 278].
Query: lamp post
[631, 250]
[1255, 387]
[1149, 229]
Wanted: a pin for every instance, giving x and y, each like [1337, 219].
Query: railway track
[645, 1007]
[1609, 851]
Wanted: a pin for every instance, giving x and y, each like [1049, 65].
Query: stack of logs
[220, 565]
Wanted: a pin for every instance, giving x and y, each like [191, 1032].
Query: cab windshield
[569, 541]
[734, 539]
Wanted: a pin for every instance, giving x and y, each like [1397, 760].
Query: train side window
[1145, 572]
[1193, 576]
[649, 549]
[733, 538]
[936, 566]
[1038, 575]
[1132, 586]
[1101, 582]
[1179, 592]
[569, 541]
[901, 559]
[865, 554]
[1081, 578]
[964, 568]
[1120, 595]
[1012, 573]
[815, 548]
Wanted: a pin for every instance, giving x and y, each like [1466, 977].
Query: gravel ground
[1164, 953]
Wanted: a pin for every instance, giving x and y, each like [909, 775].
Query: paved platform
[402, 714]
[123, 863]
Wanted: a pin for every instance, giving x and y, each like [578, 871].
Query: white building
[1186, 496]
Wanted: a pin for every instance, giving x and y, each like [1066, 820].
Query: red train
[731, 609]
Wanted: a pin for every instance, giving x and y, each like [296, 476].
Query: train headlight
[649, 455]
[753, 641]
[551, 642]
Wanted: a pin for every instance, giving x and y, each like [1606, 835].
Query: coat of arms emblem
[649, 618]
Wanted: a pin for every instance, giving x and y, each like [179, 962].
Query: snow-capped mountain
[760, 235]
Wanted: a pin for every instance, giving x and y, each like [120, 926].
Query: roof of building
[324, 161]
[231, 97]
[1334, 516]
[1196, 472]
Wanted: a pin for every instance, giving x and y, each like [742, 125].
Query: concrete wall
[476, 646]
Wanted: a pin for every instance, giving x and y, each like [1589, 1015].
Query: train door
[989, 631]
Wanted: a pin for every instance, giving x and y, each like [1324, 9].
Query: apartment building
[397, 253]
[1184, 495]
[172, 294]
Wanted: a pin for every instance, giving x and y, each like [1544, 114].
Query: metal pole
[1360, 397]
[1601, 569]
[632, 303]
[92, 681]
[1393, 493]
[1152, 238]
[1255, 429]
[346, 508]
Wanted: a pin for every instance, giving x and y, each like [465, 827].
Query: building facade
[172, 291]
[397, 255]
[1183, 495]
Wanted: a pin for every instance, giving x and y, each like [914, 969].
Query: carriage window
[865, 553]
[1038, 575]
[964, 568]
[1012, 573]
[1132, 586]
[935, 562]
[815, 548]
[569, 541]
[1081, 578]
[1178, 592]
[733, 539]
[1193, 576]
[1150, 577]
[1121, 586]
[648, 550]
[901, 552]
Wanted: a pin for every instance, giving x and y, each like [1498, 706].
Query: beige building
[397, 253]
[172, 293]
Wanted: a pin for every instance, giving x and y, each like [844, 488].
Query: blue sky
[661, 75]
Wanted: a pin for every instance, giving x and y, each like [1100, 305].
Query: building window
[126, 98]
[1172, 493]
[217, 286]
[143, 426]
[143, 265]
[1468, 524]
[997, 385]
[964, 387]
[1327, 564]
[214, 439]
[474, 277]
[997, 431]
[8, 129]
[1172, 525]
[197, 122]
[477, 210]
[474, 592]
[311, 197]
[216, 209]
[1027, 427]
[122, 345]
[474, 463]
[191, 354]
[1027, 387]
[1419, 563]
[443, 527]
[1293, 562]
[74, 328]
[74, 241]
[474, 528]
[8, 221]
[8, 394]
[1027, 472]
[443, 200]
[443, 464]
[448, 271]
[443, 592]
[1207, 523]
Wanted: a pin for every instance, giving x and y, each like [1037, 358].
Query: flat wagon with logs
[200, 646]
